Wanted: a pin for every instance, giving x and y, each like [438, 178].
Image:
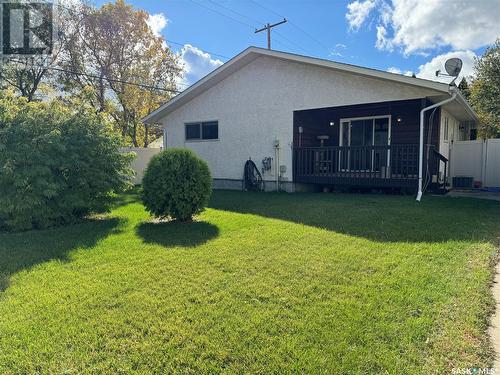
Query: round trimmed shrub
[176, 184]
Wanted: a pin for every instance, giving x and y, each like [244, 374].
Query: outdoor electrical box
[267, 163]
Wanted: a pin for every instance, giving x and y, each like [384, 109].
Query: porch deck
[364, 166]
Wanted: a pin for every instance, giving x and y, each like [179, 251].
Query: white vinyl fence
[139, 164]
[479, 159]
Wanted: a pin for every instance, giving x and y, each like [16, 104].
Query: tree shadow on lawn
[19, 251]
[378, 217]
[173, 233]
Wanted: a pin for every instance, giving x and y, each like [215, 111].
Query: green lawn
[308, 283]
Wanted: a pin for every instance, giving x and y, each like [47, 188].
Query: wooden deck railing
[399, 161]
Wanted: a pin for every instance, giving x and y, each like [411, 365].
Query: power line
[202, 50]
[222, 14]
[266, 8]
[259, 22]
[268, 28]
[293, 24]
[309, 35]
[290, 41]
[236, 12]
[89, 75]
[279, 35]
[167, 40]
[85, 14]
[253, 20]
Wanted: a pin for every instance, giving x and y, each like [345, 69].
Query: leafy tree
[27, 75]
[485, 91]
[176, 184]
[23, 75]
[98, 52]
[113, 47]
[463, 86]
[57, 165]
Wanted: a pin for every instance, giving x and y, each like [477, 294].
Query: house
[308, 122]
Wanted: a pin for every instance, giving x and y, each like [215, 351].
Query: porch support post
[453, 92]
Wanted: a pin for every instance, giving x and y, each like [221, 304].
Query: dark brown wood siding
[316, 122]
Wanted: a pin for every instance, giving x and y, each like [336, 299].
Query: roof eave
[467, 106]
[369, 72]
[372, 73]
[153, 116]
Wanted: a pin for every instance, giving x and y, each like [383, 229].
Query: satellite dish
[453, 66]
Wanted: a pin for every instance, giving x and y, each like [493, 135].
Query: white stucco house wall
[250, 108]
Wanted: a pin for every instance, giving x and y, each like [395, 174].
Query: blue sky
[402, 36]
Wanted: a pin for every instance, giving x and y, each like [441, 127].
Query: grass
[263, 283]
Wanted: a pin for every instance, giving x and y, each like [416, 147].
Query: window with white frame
[206, 130]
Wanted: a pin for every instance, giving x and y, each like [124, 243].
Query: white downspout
[421, 143]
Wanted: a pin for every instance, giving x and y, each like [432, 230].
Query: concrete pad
[474, 194]
[494, 329]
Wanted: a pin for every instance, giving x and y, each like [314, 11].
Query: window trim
[200, 123]
[373, 118]
[348, 121]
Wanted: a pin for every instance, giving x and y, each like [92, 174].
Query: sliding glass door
[361, 134]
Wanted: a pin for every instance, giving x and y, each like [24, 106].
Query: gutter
[454, 92]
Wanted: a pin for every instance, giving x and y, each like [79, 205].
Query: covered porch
[372, 145]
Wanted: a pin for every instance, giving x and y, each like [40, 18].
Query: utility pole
[268, 27]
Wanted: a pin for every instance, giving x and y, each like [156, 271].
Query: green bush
[176, 184]
[56, 166]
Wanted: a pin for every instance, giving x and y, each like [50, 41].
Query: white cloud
[335, 52]
[197, 64]
[383, 42]
[428, 70]
[395, 70]
[385, 11]
[358, 12]
[157, 22]
[419, 25]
